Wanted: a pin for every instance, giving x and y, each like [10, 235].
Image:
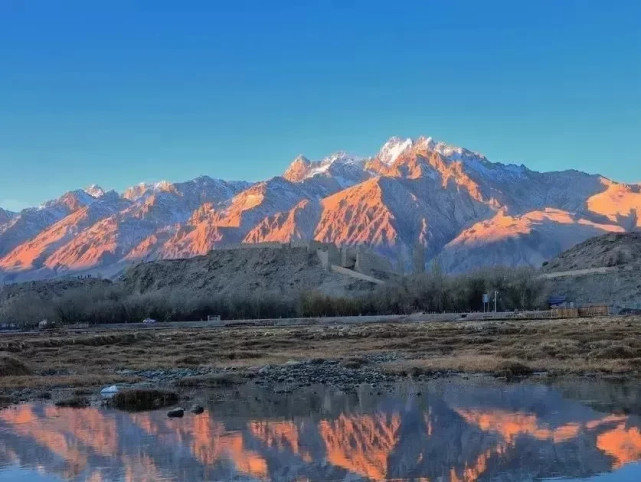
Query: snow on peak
[163, 186]
[298, 169]
[340, 156]
[300, 159]
[139, 190]
[396, 146]
[302, 168]
[95, 191]
[337, 165]
[69, 201]
[393, 148]
[454, 153]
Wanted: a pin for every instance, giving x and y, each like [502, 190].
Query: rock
[197, 409]
[109, 391]
[176, 412]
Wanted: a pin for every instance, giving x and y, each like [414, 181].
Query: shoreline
[58, 365]
[219, 386]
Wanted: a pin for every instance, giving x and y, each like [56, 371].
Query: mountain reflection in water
[438, 432]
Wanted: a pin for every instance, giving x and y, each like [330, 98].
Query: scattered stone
[172, 374]
[318, 371]
[176, 412]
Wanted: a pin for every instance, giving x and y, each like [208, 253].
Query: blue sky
[121, 92]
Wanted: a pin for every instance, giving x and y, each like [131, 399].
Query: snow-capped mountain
[462, 209]
[338, 170]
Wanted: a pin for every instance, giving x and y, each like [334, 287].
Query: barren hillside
[286, 271]
[46, 290]
[621, 250]
[605, 269]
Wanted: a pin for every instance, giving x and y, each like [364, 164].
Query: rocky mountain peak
[5, 215]
[95, 191]
[393, 148]
[298, 169]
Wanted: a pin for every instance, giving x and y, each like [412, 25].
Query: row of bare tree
[428, 292]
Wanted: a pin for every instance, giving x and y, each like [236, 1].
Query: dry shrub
[614, 352]
[243, 355]
[110, 339]
[143, 399]
[82, 392]
[190, 360]
[511, 369]
[11, 366]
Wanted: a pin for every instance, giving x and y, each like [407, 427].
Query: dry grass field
[578, 346]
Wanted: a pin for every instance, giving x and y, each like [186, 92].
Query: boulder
[197, 409]
[109, 391]
[176, 412]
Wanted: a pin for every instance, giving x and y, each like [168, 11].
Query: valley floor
[36, 365]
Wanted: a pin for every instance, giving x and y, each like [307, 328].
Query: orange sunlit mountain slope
[454, 203]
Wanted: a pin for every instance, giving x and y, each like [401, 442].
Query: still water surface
[442, 431]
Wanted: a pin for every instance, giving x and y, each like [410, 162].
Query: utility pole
[496, 294]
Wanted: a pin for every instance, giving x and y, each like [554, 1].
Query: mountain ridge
[462, 209]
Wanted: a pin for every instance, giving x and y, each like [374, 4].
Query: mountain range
[415, 194]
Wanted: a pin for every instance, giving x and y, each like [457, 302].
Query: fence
[583, 312]
[564, 313]
[597, 310]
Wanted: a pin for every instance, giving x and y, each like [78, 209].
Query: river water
[448, 430]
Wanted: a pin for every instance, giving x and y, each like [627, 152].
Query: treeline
[518, 289]
[434, 292]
